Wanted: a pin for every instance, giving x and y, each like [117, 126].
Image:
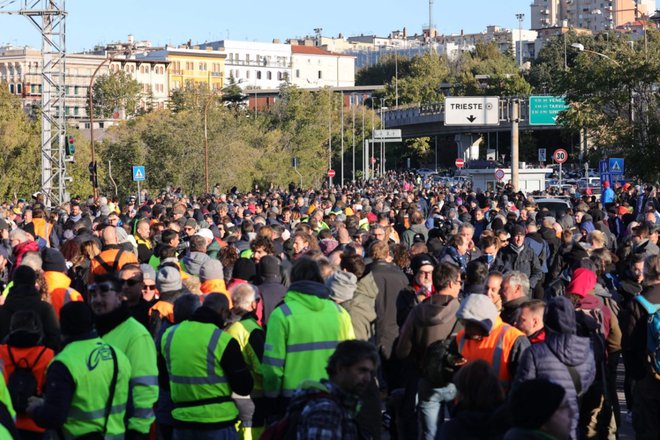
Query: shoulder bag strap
[575, 377]
[115, 264]
[113, 386]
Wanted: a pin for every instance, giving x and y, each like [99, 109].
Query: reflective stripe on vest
[211, 378]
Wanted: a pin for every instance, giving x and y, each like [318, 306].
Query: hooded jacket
[430, 321]
[192, 263]
[362, 308]
[561, 350]
[524, 261]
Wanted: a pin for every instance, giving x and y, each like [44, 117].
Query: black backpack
[439, 364]
[22, 383]
[286, 428]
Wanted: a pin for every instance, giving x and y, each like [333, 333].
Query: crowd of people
[395, 308]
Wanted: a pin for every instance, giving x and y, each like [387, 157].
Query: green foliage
[420, 82]
[115, 92]
[20, 161]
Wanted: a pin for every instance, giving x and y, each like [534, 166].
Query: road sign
[543, 110]
[542, 155]
[391, 135]
[616, 165]
[139, 173]
[472, 110]
[331, 173]
[560, 155]
[499, 174]
[460, 163]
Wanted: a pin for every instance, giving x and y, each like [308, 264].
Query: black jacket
[23, 297]
[272, 293]
[634, 320]
[525, 261]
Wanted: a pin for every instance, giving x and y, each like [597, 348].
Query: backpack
[439, 364]
[287, 427]
[652, 332]
[22, 383]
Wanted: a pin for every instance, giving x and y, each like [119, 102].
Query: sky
[91, 22]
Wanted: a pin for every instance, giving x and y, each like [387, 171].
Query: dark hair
[219, 304]
[185, 306]
[167, 252]
[349, 353]
[168, 235]
[26, 321]
[443, 274]
[353, 263]
[478, 387]
[476, 272]
[306, 269]
[263, 242]
[534, 305]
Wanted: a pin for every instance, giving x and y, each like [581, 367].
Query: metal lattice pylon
[49, 17]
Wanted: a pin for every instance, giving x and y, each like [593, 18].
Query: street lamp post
[520, 18]
[91, 124]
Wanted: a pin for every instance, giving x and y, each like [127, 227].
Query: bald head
[110, 235]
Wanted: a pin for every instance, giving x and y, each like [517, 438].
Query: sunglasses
[102, 287]
[131, 282]
[149, 287]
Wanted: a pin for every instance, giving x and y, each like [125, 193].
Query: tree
[115, 92]
[232, 94]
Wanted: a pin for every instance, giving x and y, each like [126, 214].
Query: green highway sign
[543, 110]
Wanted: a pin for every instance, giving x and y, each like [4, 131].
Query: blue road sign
[138, 173]
[616, 166]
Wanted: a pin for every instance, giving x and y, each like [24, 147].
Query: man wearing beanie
[420, 288]
[170, 287]
[116, 326]
[57, 281]
[563, 358]
[540, 412]
[342, 285]
[519, 256]
[23, 295]
[211, 275]
[80, 379]
[485, 336]
[271, 288]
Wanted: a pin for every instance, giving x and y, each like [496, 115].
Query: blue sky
[170, 21]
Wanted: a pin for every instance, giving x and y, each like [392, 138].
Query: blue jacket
[562, 348]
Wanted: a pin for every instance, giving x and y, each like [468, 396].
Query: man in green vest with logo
[302, 334]
[86, 383]
[204, 365]
[116, 326]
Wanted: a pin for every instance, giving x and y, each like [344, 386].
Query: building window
[269, 75]
[76, 111]
[19, 89]
[320, 74]
[258, 74]
[75, 90]
[247, 74]
[202, 67]
[142, 69]
[297, 73]
[247, 57]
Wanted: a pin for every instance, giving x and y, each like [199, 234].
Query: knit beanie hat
[211, 270]
[148, 272]
[582, 282]
[328, 245]
[480, 310]
[244, 269]
[24, 276]
[420, 260]
[269, 266]
[534, 401]
[76, 318]
[168, 280]
[53, 261]
[343, 285]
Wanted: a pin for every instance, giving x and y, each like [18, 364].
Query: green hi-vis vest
[137, 344]
[241, 331]
[91, 366]
[198, 386]
[302, 334]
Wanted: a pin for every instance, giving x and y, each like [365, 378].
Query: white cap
[206, 233]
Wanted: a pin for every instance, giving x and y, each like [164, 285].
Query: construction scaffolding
[49, 17]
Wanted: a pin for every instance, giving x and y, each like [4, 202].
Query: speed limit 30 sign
[560, 155]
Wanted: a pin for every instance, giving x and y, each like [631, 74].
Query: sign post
[331, 174]
[542, 155]
[294, 162]
[560, 156]
[499, 174]
[138, 176]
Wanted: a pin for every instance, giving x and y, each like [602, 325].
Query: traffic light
[70, 147]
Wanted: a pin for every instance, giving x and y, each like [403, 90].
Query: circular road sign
[560, 155]
[331, 173]
[499, 174]
[460, 163]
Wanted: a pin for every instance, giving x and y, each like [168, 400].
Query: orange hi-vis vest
[110, 261]
[59, 291]
[165, 309]
[38, 358]
[494, 349]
